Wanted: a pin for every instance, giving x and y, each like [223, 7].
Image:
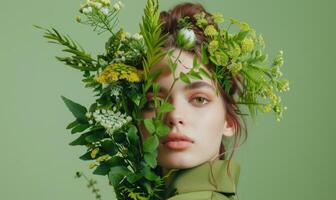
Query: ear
[228, 129]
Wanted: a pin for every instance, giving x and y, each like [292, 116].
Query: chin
[178, 161]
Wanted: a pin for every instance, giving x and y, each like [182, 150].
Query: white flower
[98, 5]
[137, 36]
[88, 114]
[110, 120]
[116, 6]
[104, 10]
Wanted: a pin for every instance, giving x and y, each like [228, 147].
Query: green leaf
[102, 169]
[195, 62]
[205, 59]
[132, 134]
[150, 159]
[72, 124]
[149, 174]
[162, 130]
[166, 107]
[151, 143]
[204, 73]
[80, 128]
[116, 161]
[86, 156]
[79, 141]
[241, 35]
[132, 178]
[116, 174]
[109, 147]
[194, 75]
[184, 78]
[95, 136]
[119, 137]
[149, 124]
[77, 110]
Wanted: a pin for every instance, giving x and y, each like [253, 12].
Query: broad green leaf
[72, 124]
[86, 156]
[149, 125]
[77, 110]
[204, 73]
[109, 147]
[117, 173]
[132, 134]
[166, 107]
[102, 169]
[149, 174]
[95, 136]
[80, 128]
[194, 75]
[162, 130]
[132, 178]
[184, 78]
[151, 143]
[150, 159]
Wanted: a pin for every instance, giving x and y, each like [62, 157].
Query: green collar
[202, 178]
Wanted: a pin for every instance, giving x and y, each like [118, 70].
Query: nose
[175, 117]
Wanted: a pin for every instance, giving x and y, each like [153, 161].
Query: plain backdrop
[293, 159]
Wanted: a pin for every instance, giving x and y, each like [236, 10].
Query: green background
[293, 159]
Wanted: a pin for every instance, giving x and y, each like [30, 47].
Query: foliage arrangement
[121, 77]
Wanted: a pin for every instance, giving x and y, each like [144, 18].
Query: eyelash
[204, 98]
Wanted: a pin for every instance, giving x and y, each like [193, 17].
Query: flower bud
[186, 38]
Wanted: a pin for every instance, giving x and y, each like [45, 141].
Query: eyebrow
[193, 86]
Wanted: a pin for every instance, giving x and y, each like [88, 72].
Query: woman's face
[198, 121]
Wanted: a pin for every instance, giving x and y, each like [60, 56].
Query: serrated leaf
[162, 130]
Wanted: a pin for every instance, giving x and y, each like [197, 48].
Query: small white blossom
[98, 5]
[110, 120]
[137, 36]
[88, 114]
[105, 10]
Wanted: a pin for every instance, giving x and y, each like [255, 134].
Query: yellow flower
[235, 67]
[234, 51]
[103, 158]
[94, 152]
[92, 165]
[217, 17]
[247, 45]
[244, 26]
[118, 71]
[210, 31]
[213, 46]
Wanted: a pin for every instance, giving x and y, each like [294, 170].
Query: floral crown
[121, 77]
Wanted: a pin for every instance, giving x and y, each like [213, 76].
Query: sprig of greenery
[80, 59]
[91, 184]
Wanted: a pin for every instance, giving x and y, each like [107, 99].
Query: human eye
[200, 100]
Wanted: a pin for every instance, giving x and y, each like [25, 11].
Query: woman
[200, 119]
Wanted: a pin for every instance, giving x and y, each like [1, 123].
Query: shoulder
[200, 195]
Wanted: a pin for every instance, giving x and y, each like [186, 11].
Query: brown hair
[170, 21]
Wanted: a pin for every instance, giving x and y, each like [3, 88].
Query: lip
[177, 141]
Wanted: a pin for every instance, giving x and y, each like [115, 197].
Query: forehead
[184, 64]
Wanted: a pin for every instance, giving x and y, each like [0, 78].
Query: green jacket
[201, 183]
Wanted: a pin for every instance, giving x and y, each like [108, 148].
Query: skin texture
[199, 114]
